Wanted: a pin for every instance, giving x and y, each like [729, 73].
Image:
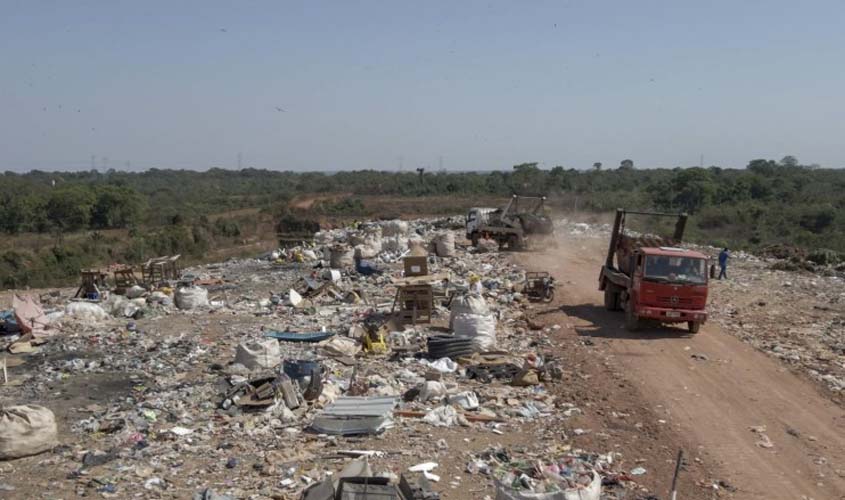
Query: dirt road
[715, 398]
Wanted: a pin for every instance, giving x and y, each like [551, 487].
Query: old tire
[693, 326]
[611, 299]
[632, 321]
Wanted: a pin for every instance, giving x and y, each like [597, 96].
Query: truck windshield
[668, 269]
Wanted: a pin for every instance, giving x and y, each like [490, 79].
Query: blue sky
[474, 85]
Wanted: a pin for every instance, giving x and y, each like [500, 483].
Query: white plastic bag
[86, 312]
[467, 400]
[191, 297]
[260, 354]
[26, 430]
[432, 391]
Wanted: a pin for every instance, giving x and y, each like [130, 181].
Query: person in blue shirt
[723, 263]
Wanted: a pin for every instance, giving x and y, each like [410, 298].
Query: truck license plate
[673, 314]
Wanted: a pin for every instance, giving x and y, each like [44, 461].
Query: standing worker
[723, 263]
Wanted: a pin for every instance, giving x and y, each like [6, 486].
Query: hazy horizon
[473, 86]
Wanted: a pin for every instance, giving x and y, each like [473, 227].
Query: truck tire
[514, 243]
[611, 299]
[474, 238]
[632, 321]
[693, 326]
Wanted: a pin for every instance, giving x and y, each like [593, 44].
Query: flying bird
[280, 110]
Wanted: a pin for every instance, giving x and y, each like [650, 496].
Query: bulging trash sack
[191, 297]
[481, 328]
[417, 247]
[470, 317]
[260, 354]
[341, 256]
[444, 244]
[86, 311]
[26, 430]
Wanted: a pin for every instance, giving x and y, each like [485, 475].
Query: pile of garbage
[241, 378]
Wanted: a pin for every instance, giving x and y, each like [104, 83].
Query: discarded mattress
[356, 415]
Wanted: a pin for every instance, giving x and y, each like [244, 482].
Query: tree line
[769, 201]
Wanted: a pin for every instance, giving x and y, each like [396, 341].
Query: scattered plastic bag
[444, 416]
[432, 391]
[467, 400]
[442, 365]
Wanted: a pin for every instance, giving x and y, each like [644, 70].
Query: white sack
[259, 354]
[191, 297]
[481, 328]
[444, 244]
[86, 312]
[341, 256]
[26, 430]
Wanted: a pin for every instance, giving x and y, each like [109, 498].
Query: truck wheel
[514, 243]
[693, 326]
[611, 299]
[550, 296]
[474, 238]
[632, 321]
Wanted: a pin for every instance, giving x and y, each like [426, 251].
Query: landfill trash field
[289, 376]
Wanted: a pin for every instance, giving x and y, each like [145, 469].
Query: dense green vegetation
[171, 211]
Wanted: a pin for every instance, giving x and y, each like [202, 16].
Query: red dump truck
[653, 279]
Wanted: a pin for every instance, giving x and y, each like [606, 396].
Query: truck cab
[669, 285]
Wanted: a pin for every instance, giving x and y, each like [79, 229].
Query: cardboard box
[416, 266]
